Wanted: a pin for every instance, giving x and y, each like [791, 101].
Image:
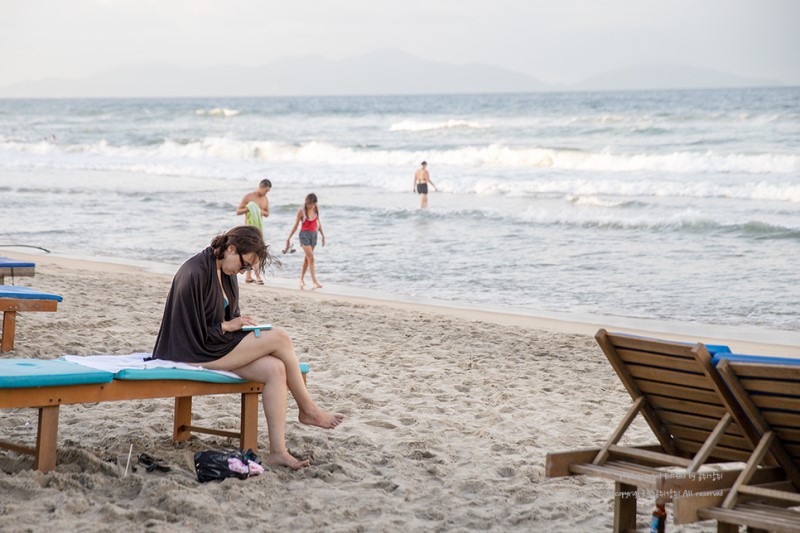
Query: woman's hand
[238, 323]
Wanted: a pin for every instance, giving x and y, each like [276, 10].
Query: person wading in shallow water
[308, 215]
[254, 206]
[421, 181]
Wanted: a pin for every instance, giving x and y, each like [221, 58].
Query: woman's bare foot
[302, 284]
[320, 418]
[284, 458]
[317, 285]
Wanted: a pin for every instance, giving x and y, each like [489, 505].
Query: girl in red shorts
[308, 220]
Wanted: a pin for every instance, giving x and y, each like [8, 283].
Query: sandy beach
[449, 416]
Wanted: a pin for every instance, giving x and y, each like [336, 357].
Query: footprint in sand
[381, 424]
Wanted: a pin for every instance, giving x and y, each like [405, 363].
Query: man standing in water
[254, 206]
[421, 181]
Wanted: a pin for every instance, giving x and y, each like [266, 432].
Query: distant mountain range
[382, 72]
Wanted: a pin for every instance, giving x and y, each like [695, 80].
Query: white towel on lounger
[115, 363]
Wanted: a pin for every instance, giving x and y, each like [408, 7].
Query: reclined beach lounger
[15, 268]
[768, 388]
[14, 299]
[693, 416]
[46, 385]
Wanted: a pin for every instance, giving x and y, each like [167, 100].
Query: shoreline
[787, 343]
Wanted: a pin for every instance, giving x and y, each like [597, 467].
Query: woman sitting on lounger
[202, 325]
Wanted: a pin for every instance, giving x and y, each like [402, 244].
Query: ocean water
[679, 206]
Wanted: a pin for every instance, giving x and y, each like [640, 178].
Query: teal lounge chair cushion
[26, 293]
[175, 373]
[180, 373]
[22, 373]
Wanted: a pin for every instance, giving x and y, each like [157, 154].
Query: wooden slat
[730, 441]
[773, 494]
[700, 423]
[658, 360]
[770, 401]
[617, 473]
[557, 463]
[794, 451]
[766, 370]
[686, 379]
[689, 421]
[637, 467]
[24, 304]
[676, 391]
[720, 452]
[686, 406]
[781, 418]
[621, 340]
[771, 386]
[663, 458]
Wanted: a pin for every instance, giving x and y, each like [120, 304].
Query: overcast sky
[556, 41]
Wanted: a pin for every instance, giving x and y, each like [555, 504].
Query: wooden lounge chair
[46, 385]
[15, 269]
[14, 299]
[768, 389]
[691, 413]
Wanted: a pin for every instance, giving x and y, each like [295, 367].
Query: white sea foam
[218, 112]
[592, 191]
[595, 201]
[494, 155]
[413, 125]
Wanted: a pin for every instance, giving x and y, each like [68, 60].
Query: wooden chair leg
[249, 422]
[46, 439]
[624, 507]
[183, 419]
[9, 328]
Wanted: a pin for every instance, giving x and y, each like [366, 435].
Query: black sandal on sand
[151, 463]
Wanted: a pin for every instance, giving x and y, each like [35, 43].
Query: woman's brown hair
[246, 240]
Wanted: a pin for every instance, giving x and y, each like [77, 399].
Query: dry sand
[449, 416]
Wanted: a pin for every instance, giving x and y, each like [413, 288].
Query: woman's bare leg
[272, 373]
[309, 251]
[276, 343]
[303, 270]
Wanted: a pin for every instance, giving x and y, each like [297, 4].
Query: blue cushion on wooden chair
[762, 359]
[7, 262]
[21, 373]
[26, 293]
